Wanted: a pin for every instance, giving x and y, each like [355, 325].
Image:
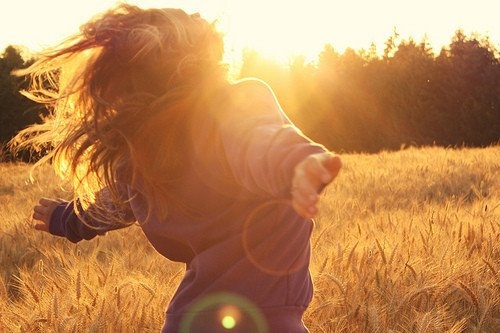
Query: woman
[147, 127]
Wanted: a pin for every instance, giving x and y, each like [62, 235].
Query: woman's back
[217, 176]
[239, 235]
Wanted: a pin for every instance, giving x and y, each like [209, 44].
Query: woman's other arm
[63, 218]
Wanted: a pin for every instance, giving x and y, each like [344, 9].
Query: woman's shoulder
[249, 96]
[251, 86]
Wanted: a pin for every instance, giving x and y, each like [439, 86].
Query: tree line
[355, 100]
[366, 102]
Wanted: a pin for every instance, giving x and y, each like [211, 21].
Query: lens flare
[223, 312]
[230, 316]
[228, 322]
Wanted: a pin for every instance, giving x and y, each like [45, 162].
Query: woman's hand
[310, 177]
[43, 211]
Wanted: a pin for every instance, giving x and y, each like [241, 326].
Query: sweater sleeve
[65, 222]
[261, 145]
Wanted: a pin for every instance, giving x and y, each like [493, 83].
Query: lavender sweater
[246, 250]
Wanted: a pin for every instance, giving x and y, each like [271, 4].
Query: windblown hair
[121, 93]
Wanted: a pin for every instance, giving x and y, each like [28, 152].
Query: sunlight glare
[277, 29]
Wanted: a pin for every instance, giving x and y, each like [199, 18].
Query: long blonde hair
[121, 92]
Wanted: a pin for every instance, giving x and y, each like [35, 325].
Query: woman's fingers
[42, 212]
[38, 216]
[41, 227]
[305, 202]
[41, 220]
[304, 191]
[40, 209]
[304, 195]
[305, 212]
[314, 172]
[332, 164]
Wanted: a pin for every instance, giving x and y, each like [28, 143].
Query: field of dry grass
[406, 241]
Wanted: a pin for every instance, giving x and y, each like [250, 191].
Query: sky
[276, 28]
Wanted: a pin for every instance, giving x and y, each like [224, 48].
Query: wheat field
[406, 241]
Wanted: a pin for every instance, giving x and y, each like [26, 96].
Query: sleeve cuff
[56, 225]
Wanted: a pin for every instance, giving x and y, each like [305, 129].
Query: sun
[272, 29]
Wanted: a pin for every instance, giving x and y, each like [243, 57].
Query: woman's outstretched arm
[267, 154]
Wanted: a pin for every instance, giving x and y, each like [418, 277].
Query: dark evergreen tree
[16, 111]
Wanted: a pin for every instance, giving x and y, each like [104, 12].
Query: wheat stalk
[55, 307]
[142, 319]
[316, 242]
[490, 266]
[49, 315]
[471, 295]
[425, 323]
[32, 293]
[150, 290]
[338, 283]
[391, 258]
[412, 270]
[381, 251]
[78, 286]
[351, 255]
[323, 265]
[409, 297]
[458, 327]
